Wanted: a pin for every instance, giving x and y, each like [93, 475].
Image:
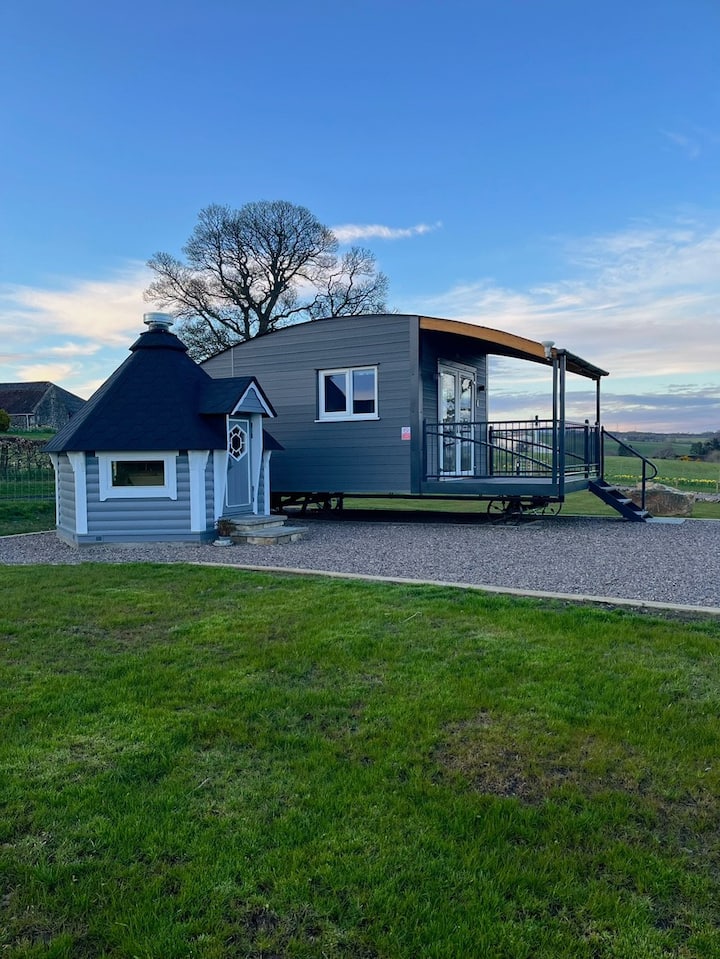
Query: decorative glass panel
[237, 442]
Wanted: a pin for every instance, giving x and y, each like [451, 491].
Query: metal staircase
[617, 498]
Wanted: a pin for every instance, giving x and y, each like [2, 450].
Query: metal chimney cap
[158, 321]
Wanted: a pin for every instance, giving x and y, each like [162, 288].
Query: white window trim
[167, 491]
[344, 416]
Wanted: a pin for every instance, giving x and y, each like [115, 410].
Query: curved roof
[509, 344]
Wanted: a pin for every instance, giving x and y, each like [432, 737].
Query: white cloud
[100, 311]
[351, 232]
[75, 334]
[54, 372]
[641, 303]
[74, 349]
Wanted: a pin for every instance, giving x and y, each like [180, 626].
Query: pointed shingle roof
[153, 401]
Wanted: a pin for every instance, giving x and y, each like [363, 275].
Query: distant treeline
[707, 448]
[669, 446]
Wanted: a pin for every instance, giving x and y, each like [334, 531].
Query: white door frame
[458, 454]
[239, 463]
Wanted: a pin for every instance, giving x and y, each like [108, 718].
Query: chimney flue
[158, 321]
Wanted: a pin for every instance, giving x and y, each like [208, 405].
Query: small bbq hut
[161, 451]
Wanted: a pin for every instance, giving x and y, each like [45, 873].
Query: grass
[26, 516]
[696, 477]
[207, 763]
[699, 477]
[41, 434]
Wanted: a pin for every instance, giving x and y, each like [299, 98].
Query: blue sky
[549, 167]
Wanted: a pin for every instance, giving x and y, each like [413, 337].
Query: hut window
[348, 394]
[133, 475]
[138, 473]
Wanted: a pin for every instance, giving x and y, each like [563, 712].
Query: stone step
[270, 536]
[248, 522]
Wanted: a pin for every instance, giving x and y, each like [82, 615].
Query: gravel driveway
[655, 562]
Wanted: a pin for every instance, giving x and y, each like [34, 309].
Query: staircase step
[614, 497]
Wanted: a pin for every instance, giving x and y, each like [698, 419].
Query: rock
[663, 500]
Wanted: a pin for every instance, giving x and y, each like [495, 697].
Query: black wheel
[505, 508]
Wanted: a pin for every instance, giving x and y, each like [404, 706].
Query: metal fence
[26, 473]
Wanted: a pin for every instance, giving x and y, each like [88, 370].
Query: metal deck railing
[534, 449]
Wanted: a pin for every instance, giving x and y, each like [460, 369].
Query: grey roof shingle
[24, 398]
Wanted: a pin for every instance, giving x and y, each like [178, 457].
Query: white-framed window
[348, 394]
[135, 475]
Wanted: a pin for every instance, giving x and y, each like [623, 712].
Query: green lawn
[26, 516]
[207, 763]
[39, 435]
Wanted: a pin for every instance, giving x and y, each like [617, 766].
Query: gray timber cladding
[147, 517]
[362, 456]
[65, 480]
[437, 347]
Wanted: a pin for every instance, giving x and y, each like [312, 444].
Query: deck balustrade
[533, 449]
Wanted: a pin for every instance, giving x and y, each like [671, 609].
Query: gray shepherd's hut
[162, 450]
[399, 405]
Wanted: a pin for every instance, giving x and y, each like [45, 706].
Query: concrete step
[245, 523]
[262, 530]
[270, 536]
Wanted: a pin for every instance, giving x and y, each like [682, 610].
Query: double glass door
[456, 400]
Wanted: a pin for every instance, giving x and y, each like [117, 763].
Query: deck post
[555, 422]
[424, 452]
[561, 425]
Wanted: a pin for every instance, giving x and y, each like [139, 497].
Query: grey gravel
[655, 562]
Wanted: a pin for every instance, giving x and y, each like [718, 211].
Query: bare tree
[353, 287]
[253, 270]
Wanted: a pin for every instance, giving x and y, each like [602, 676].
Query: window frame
[105, 470]
[346, 415]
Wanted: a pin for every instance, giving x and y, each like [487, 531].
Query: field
[206, 763]
[26, 472]
[697, 477]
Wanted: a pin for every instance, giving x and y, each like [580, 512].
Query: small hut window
[134, 475]
[138, 473]
[348, 394]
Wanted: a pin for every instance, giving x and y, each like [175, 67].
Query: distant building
[34, 406]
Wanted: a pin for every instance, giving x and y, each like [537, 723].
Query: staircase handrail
[631, 449]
